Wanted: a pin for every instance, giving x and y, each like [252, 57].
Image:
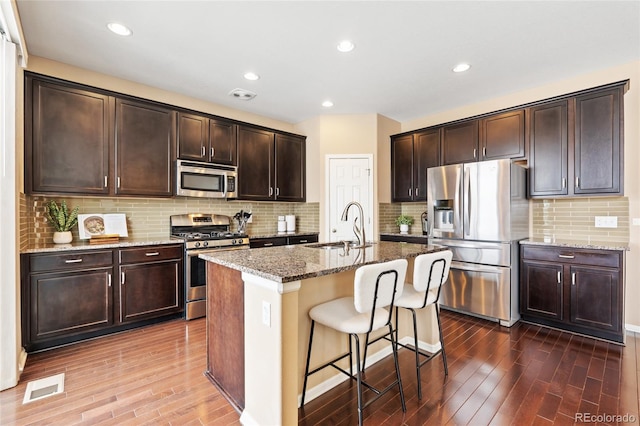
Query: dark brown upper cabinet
[86, 142]
[206, 139]
[502, 136]
[460, 143]
[411, 156]
[145, 135]
[271, 166]
[67, 139]
[548, 149]
[576, 144]
[598, 150]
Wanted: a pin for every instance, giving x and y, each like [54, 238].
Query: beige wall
[83, 76]
[337, 134]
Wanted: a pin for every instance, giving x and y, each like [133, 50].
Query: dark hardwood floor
[499, 376]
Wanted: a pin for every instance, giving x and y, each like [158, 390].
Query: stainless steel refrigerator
[480, 211]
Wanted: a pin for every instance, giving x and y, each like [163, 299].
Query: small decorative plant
[404, 220]
[59, 216]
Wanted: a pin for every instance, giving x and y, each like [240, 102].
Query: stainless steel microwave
[205, 180]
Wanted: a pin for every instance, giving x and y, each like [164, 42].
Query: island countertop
[290, 263]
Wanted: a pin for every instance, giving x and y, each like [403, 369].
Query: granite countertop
[290, 263]
[563, 242]
[84, 245]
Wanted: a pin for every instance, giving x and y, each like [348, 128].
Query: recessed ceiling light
[251, 76]
[461, 67]
[346, 46]
[119, 29]
[327, 104]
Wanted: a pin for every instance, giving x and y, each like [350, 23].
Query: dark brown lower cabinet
[150, 282]
[282, 240]
[579, 290]
[75, 295]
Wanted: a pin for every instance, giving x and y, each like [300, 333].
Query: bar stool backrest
[431, 270]
[378, 285]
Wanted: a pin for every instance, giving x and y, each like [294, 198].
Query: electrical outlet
[606, 222]
[636, 221]
[266, 313]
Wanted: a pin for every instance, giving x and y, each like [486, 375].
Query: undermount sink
[337, 245]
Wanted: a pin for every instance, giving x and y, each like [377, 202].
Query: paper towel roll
[291, 223]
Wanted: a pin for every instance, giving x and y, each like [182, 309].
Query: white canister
[282, 225]
[291, 223]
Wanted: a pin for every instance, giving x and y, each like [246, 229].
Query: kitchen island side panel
[225, 332]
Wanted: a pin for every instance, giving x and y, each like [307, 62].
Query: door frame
[372, 213]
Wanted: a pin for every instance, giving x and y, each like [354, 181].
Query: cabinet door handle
[109, 279]
[303, 241]
[268, 244]
[213, 152]
[73, 261]
[564, 183]
[566, 256]
[484, 151]
[559, 277]
[202, 151]
[409, 192]
[270, 191]
[155, 253]
[122, 278]
[277, 191]
[118, 183]
[577, 182]
[106, 180]
[416, 192]
[475, 151]
[573, 278]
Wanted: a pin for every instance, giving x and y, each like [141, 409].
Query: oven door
[196, 281]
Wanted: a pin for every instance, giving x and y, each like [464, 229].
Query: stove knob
[197, 244]
[233, 242]
[206, 243]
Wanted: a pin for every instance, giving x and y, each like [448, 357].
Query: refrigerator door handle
[467, 206]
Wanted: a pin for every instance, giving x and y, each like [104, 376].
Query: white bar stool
[376, 287]
[430, 272]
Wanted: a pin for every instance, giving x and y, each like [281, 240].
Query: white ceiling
[401, 67]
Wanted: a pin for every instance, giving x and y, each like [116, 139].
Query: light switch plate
[636, 221]
[606, 222]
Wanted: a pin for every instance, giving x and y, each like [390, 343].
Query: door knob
[333, 230]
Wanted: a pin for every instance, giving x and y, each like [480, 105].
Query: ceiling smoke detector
[242, 94]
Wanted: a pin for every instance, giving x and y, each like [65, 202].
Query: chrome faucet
[358, 231]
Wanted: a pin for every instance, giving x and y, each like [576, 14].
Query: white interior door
[350, 179]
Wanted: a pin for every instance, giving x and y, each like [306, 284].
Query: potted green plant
[403, 221]
[61, 220]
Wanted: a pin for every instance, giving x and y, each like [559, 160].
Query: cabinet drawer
[70, 260]
[303, 239]
[608, 259]
[150, 254]
[267, 242]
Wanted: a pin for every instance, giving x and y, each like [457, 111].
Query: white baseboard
[632, 327]
[338, 378]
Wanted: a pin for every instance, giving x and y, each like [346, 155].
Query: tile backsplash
[388, 212]
[568, 218]
[149, 218]
[574, 218]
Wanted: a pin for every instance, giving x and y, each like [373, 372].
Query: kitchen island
[258, 325]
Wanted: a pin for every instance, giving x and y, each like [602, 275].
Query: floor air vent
[43, 388]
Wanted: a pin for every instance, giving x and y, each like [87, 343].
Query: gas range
[206, 231]
[202, 232]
